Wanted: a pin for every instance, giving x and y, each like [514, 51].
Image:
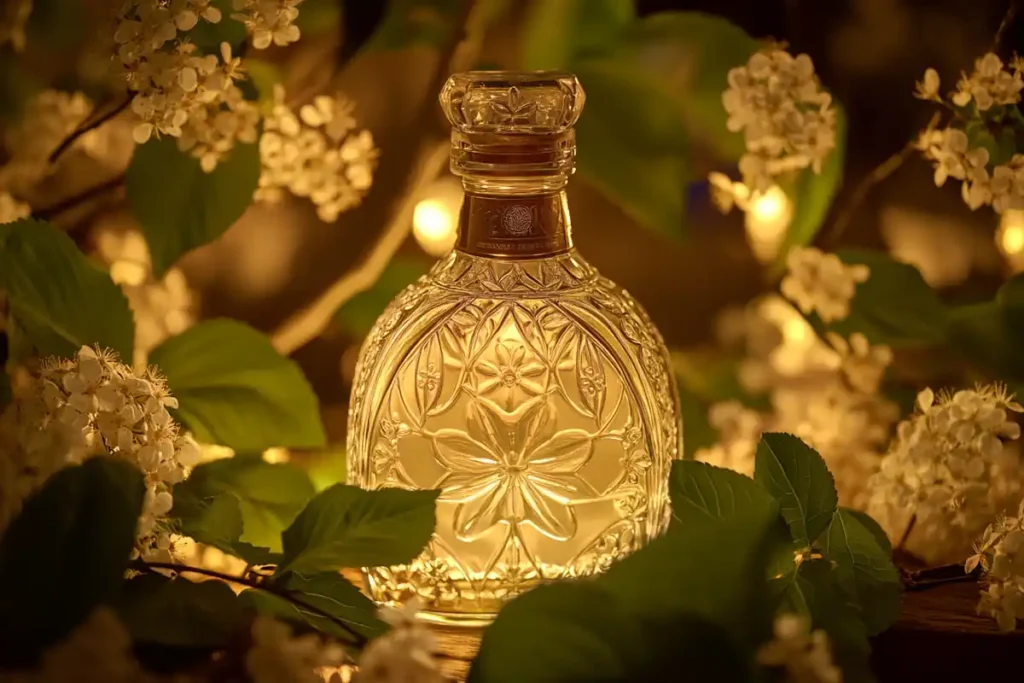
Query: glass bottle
[534, 392]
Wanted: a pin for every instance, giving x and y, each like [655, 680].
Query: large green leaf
[216, 520]
[268, 497]
[557, 32]
[560, 632]
[797, 477]
[914, 317]
[811, 590]
[864, 570]
[326, 593]
[697, 488]
[631, 145]
[359, 313]
[181, 207]
[234, 389]
[346, 526]
[812, 195]
[66, 553]
[980, 333]
[177, 612]
[688, 55]
[58, 299]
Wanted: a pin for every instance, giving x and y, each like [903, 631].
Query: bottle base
[457, 620]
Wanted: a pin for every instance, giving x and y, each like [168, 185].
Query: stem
[92, 122]
[60, 207]
[906, 533]
[306, 324]
[937, 576]
[878, 175]
[1004, 26]
[358, 638]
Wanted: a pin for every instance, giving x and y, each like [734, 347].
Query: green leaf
[797, 477]
[812, 591]
[1010, 299]
[812, 195]
[688, 56]
[179, 613]
[58, 299]
[560, 632]
[980, 333]
[346, 526]
[65, 553]
[208, 37]
[864, 569]
[217, 521]
[318, 16]
[556, 32]
[916, 317]
[693, 569]
[327, 468]
[416, 23]
[697, 430]
[328, 592]
[631, 146]
[234, 389]
[180, 207]
[359, 313]
[268, 497]
[697, 488]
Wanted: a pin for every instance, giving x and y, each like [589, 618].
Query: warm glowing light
[435, 218]
[795, 330]
[1010, 238]
[276, 455]
[767, 218]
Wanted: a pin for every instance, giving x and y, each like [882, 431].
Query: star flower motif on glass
[513, 468]
[511, 371]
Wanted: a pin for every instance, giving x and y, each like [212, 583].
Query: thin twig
[92, 122]
[1004, 26]
[428, 162]
[878, 175]
[906, 533]
[937, 576]
[51, 212]
[359, 638]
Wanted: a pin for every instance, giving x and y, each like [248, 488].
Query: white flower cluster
[988, 87]
[785, 116]
[162, 308]
[805, 655]
[99, 650]
[316, 153]
[947, 472]
[178, 92]
[13, 17]
[402, 655]
[278, 656]
[88, 406]
[269, 22]
[999, 555]
[11, 209]
[821, 283]
[827, 394]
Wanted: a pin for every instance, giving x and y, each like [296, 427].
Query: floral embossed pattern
[537, 397]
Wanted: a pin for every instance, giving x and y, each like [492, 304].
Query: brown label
[514, 227]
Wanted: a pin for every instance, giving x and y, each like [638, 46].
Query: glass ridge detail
[535, 394]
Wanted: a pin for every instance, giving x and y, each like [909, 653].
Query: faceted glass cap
[509, 102]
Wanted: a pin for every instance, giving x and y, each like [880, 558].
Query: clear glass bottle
[534, 392]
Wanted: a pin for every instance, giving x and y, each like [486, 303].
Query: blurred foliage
[359, 313]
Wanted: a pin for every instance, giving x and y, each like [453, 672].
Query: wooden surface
[939, 637]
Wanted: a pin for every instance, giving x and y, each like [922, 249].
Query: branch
[1004, 26]
[50, 212]
[878, 175]
[426, 164]
[289, 596]
[91, 122]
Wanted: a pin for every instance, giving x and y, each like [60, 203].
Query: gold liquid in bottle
[534, 392]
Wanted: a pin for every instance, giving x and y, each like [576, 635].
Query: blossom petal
[479, 515]
[563, 489]
[463, 487]
[458, 452]
[564, 453]
[550, 517]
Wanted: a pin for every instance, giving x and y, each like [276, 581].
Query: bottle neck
[514, 224]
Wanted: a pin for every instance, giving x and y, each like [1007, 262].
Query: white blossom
[316, 153]
[740, 429]
[948, 469]
[14, 16]
[11, 209]
[269, 22]
[821, 283]
[787, 120]
[805, 655]
[402, 655]
[989, 85]
[95, 405]
[862, 364]
[928, 87]
[278, 656]
[99, 650]
[998, 553]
